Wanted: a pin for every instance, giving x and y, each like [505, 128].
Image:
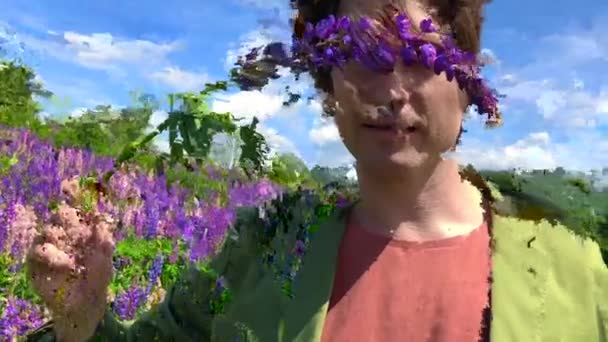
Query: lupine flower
[127, 303]
[18, 317]
[155, 271]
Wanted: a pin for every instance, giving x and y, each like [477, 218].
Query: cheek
[446, 105]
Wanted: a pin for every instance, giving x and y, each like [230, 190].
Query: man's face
[426, 109]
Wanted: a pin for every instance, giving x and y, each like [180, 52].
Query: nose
[398, 98]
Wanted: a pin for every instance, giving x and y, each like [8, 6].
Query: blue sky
[551, 61]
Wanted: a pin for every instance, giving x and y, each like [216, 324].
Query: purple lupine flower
[299, 248]
[404, 25]
[409, 55]
[139, 223]
[127, 303]
[326, 27]
[342, 202]
[426, 26]
[442, 64]
[155, 272]
[175, 253]
[428, 55]
[18, 317]
[152, 217]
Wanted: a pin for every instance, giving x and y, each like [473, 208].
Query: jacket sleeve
[601, 282]
[185, 314]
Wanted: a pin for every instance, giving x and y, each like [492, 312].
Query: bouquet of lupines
[158, 227]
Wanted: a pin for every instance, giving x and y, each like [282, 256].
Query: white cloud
[325, 133]
[549, 102]
[535, 151]
[180, 80]
[157, 118]
[268, 102]
[247, 104]
[489, 57]
[247, 42]
[78, 112]
[602, 102]
[352, 174]
[162, 144]
[263, 4]
[102, 51]
[508, 79]
[333, 154]
[565, 107]
[552, 82]
[531, 152]
[576, 47]
[99, 50]
[44, 115]
[277, 142]
[315, 107]
[275, 14]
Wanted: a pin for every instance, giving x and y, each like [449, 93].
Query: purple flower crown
[375, 43]
[333, 42]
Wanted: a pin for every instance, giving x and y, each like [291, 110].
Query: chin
[378, 163]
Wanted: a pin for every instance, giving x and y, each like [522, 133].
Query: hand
[70, 266]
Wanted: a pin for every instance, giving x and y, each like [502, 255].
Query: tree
[325, 175]
[559, 171]
[290, 170]
[18, 87]
[105, 130]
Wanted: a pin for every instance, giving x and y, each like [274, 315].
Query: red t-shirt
[387, 290]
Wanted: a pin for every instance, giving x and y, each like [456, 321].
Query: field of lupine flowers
[158, 229]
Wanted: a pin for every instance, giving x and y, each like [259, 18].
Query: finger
[107, 246]
[96, 230]
[37, 240]
[55, 235]
[50, 257]
[101, 237]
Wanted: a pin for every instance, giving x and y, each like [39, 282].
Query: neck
[419, 204]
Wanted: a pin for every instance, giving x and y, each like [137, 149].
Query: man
[421, 256]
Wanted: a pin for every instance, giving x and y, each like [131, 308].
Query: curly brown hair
[464, 19]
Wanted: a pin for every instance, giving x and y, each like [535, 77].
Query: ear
[329, 105]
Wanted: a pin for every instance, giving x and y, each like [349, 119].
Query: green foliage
[103, 129]
[141, 253]
[6, 162]
[191, 126]
[580, 184]
[325, 175]
[15, 283]
[253, 150]
[289, 170]
[17, 90]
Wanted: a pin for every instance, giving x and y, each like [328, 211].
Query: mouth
[391, 128]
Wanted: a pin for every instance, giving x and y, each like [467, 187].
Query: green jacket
[548, 285]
